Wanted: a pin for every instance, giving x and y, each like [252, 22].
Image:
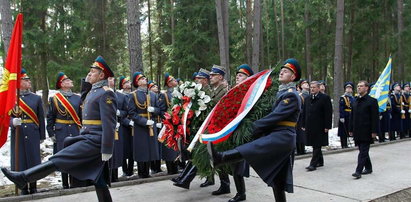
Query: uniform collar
[287, 86]
[66, 93]
[100, 84]
[25, 92]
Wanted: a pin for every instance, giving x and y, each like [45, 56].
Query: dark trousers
[317, 156]
[381, 137]
[344, 141]
[300, 148]
[364, 160]
[128, 166]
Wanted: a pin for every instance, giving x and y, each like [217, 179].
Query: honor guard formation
[116, 122]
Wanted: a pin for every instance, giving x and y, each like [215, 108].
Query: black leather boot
[65, 180]
[103, 194]
[33, 187]
[114, 175]
[209, 181]
[240, 186]
[187, 178]
[25, 190]
[182, 174]
[219, 158]
[279, 195]
[30, 175]
[224, 185]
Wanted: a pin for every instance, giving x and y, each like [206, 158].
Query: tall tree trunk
[277, 33]
[249, 31]
[150, 48]
[173, 26]
[350, 43]
[282, 30]
[134, 37]
[240, 11]
[338, 59]
[308, 60]
[400, 10]
[43, 62]
[159, 49]
[6, 24]
[222, 25]
[100, 27]
[256, 36]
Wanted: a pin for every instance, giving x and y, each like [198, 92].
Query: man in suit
[317, 122]
[85, 156]
[30, 118]
[271, 155]
[364, 127]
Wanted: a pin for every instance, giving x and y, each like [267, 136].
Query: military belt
[91, 122]
[143, 115]
[27, 121]
[347, 110]
[287, 123]
[62, 121]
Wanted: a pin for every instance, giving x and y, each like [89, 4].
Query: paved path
[333, 182]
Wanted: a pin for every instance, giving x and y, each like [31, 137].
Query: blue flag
[382, 87]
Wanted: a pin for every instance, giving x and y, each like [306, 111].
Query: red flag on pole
[10, 78]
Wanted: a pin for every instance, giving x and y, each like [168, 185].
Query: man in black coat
[316, 123]
[364, 127]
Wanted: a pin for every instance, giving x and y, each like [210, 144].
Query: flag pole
[16, 141]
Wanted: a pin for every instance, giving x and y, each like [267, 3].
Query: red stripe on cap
[245, 71]
[292, 68]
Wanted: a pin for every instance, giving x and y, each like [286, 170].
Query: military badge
[109, 101]
[286, 101]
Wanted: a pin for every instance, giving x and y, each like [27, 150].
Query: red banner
[10, 78]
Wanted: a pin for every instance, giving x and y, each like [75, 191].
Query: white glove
[150, 122]
[106, 157]
[16, 122]
[342, 120]
[118, 112]
[150, 109]
[402, 112]
[53, 139]
[159, 125]
[131, 123]
[117, 125]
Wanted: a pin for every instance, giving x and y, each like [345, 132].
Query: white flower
[206, 99]
[201, 94]
[198, 86]
[202, 105]
[190, 92]
[177, 94]
[198, 112]
[193, 84]
[182, 87]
